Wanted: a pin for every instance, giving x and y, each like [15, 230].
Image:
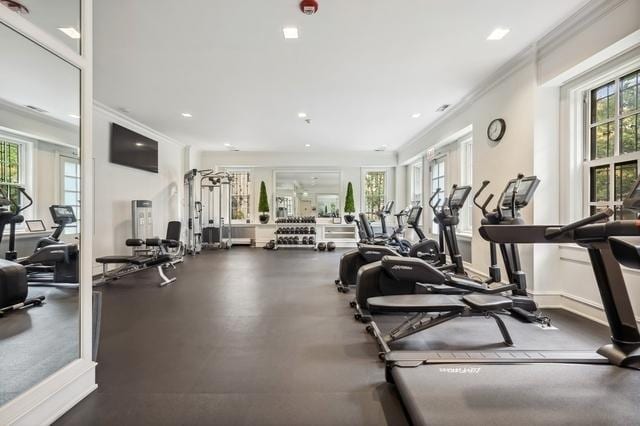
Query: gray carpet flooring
[256, 337]
[36, 342]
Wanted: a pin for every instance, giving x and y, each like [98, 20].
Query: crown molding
[576, 22]
[122, 118]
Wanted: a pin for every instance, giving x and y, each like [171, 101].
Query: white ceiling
[359, 69]
[31, 75]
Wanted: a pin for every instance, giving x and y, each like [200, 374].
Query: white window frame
[585, 122]
[432, 188]
[363, 180]
[70, 229]
[249, 195]
[25, 173]
[574, 194]
[465, 148]
[417, 178]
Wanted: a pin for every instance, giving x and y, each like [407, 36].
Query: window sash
[611, 163]
[73, 192]
[240, 195]
[375, 192]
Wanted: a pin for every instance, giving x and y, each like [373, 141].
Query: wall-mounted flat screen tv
[131, 149]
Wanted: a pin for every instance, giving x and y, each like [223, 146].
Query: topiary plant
[263, 204]
[349, 204]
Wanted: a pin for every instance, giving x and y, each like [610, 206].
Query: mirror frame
[49, 399]
[298, 170]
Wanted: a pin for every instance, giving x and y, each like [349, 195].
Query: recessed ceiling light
[416, 115]
[74, 116]
[498, 33]
[290, 32]
[307, 145]
[139, 144]
[302, 115]
[227, 144]
[187, 115]
[71, 32]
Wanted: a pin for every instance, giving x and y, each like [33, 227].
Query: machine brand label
[371, 252]
[460, 370]
[403, 268]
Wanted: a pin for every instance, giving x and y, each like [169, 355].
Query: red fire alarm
[309, 7]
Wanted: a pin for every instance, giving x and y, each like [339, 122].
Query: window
[416, 182]
[10, 170]
[284, 206]
[240, 195]
[466, 178]
[613, 140]
[374, 193]
[70, 167]
[437, 182]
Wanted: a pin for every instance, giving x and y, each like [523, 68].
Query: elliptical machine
[14, 287]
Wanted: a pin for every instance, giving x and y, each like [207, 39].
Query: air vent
[443, 107]
[36, 109]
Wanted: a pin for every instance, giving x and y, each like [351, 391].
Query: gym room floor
[42, 349]
[250, 336]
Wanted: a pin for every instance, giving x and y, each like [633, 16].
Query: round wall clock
[496, 129]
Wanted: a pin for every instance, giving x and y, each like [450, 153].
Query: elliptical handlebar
[514, 192]
[433, 197]
[22, 190]
[483, 206]
[453, 189]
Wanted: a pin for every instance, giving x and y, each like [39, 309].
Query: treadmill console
[527, 188]
[62, 215]
[414, 215]
[459, 197]
[387, 207]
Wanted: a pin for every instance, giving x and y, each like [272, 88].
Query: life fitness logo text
[403, 268]
[460, 370]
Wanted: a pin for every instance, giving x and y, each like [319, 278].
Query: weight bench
[157, 253]
[430, 310]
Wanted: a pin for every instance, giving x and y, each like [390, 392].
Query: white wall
[116, 186]
[526, 94]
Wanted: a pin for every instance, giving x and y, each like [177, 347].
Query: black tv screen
[131, 149]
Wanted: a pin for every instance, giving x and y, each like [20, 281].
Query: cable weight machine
[209, 211]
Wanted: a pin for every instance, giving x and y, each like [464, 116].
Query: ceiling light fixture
[290, 33]
[139, 144]
[498, 34]
[307, 145]
[74, 116]
[227, 144]
[70, 32]
[186, 115]
[416, 115]
[302, 115]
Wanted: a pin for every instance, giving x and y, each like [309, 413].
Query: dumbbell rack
[295, 225]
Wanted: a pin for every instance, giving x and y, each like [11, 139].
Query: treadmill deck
[525, 393]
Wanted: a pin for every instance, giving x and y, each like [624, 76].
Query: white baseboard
[50, 399]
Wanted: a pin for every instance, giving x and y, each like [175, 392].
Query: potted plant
[263, 204]
[349, 205]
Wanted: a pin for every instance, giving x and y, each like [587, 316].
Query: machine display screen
[414, 215]
[459, 196]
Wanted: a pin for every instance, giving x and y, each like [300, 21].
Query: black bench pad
[487, 302]
[416, 303]
[136, 260]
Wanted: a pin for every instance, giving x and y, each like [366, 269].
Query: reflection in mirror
[39, 187]
[307, 193]
[60, 18]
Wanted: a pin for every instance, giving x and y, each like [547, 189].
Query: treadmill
[540, 387]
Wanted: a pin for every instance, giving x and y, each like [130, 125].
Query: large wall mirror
[39, 207]
[307, 193]
[59, 18]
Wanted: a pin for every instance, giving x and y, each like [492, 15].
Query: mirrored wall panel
[39, 213]
[307, 193]
[60, 18]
